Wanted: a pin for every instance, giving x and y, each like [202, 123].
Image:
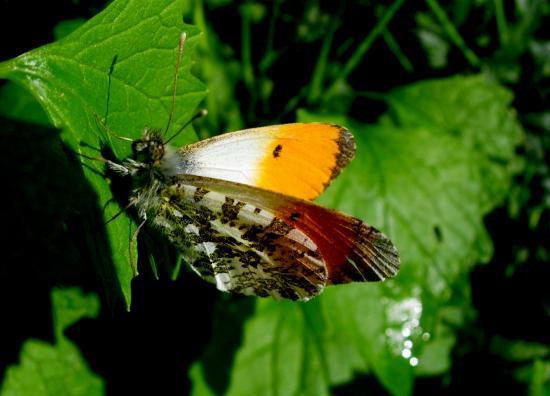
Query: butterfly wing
[350, 249]
[299, 160]
[238, 246]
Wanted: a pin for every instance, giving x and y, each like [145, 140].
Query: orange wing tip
[372, 257]
[302, 159]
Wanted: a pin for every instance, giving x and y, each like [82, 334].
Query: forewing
[352, 250]
[238, 246]
[299, 159]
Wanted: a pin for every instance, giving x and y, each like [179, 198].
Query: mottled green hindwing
[238, 246]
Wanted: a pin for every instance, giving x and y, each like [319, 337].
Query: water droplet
[406, 353]
[408, 344]
[413, 361]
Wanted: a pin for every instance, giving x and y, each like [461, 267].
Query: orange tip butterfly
[238, 207]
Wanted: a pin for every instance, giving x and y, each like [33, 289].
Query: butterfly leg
[133, 240]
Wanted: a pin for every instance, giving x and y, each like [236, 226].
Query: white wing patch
[236, 157]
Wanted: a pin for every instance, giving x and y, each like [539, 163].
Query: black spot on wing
[199, 194]
[230, 210]
[277, 151]
[294, 216]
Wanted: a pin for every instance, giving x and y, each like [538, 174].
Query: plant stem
[271, 32]
[246, 52]
[246, 59]
[177, 269]
[268, 58]
[365, 45]
[453, 34]
[372, 95]
[502, 26]
[396, 49]
[320, 67]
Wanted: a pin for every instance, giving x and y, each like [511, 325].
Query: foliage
[411, 168]
[446, 104]
[129, 49]
[59, 368]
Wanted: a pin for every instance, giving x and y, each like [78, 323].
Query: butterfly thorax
[151, 168]
[150, 149]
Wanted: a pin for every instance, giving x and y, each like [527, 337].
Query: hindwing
[238, 246]
[352, 250]
[256, 242]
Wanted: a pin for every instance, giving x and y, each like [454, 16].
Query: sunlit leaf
[119, 65]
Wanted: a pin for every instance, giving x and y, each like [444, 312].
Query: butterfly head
[150, 149]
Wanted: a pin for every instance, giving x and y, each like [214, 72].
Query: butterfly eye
[156, 151]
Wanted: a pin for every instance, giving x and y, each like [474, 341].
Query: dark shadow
[54, 237]
[363, 384]
[229, 315]
[150, 349]
[50, 219]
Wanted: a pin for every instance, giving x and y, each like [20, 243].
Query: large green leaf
[57, 369]
[119, 65]
[475, 111]
[427, 183]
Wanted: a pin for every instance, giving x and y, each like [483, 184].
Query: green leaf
[64, 28]
[424, 177]
[475, 111]
[119, 65]
[518, 350]
[540, 379]
[57, 369]
[18, 104]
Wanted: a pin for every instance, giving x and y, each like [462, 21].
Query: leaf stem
[271, 32]
[246, 59]
[365, 45]
[372, 95]
[246, 51]
[452, 32]
[397, 51]
[320, 67]
[177, 269]
[502, 25]
[268, 57]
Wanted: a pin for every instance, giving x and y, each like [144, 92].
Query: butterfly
[239, 208]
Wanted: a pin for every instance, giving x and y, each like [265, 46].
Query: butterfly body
[238, 208]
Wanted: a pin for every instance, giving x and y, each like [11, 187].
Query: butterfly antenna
[201, 113]
[183, 37]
